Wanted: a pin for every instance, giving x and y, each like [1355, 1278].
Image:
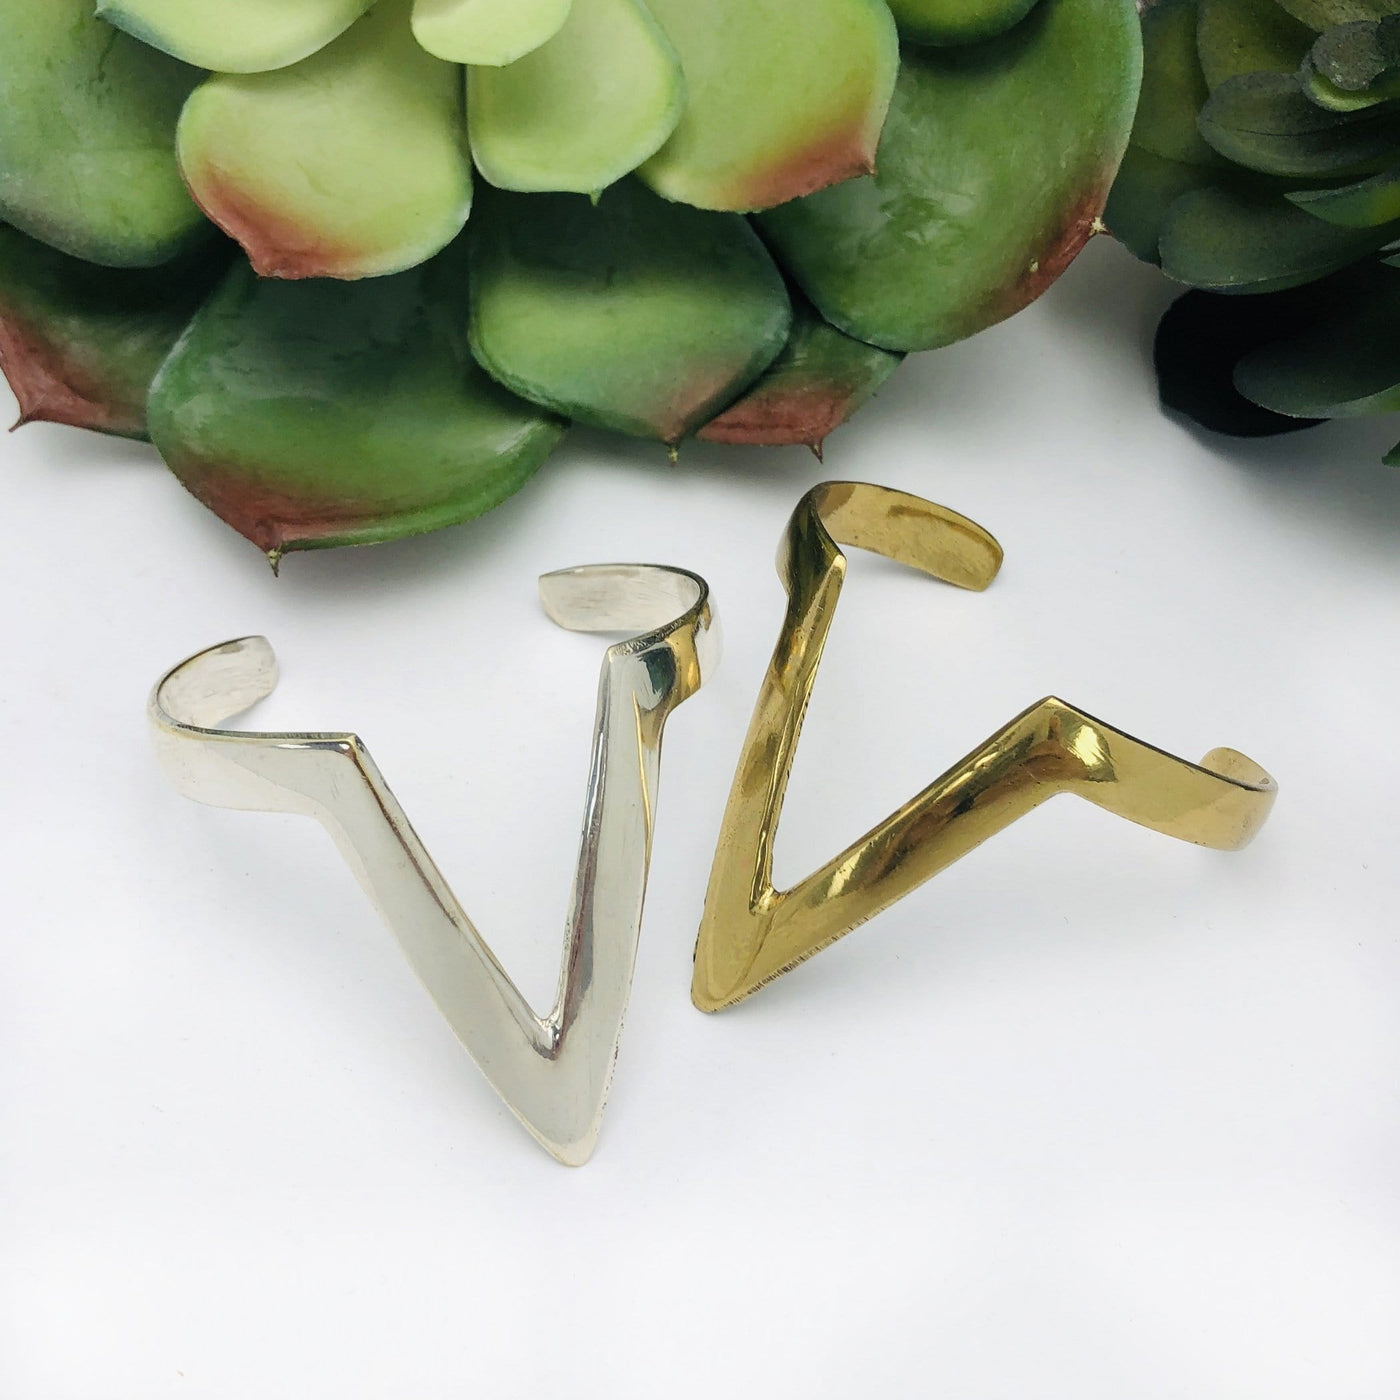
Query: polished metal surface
[750, 932]
[553, 1070]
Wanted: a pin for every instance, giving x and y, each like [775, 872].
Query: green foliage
[355, 264]
[631, 313]
[1294, 202]
[318, 413]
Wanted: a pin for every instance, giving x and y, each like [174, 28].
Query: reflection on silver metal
[553, 1071]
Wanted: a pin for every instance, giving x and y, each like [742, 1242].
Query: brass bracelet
[750, 932]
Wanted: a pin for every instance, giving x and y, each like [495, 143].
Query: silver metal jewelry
[553, 1071]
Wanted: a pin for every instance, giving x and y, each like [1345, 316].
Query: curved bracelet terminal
[752, 933]
[553, 1071]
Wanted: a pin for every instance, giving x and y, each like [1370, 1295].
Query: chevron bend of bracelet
[750, 932]
[553, 1071]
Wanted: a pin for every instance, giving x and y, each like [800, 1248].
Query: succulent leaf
[1354, 66]
[1265, 122]
[818, 381]
[1366, 204]
[631, 313]
[975, 209]
[349, 164]
[1166, 153]
[1145, 190]
[1248, 36]
[1244, 239]
[1323, 14]
[79, 343]
[1344, 363]
[492, 32]
[583, 109]
[1173, 86]
[1199, 342]
[248, 36]
[948, 22]
[1325, 93]
[1353, 56]
[318, 413]
[779, 101]
[87, 137]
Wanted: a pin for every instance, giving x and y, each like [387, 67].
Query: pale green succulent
[454, 226]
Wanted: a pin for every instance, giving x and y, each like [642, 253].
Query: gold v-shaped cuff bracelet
[752, 933]
[553, 1071]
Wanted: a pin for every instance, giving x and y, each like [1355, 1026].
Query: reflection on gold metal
[752, 933]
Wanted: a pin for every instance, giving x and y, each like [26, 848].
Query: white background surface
[1094, 1115]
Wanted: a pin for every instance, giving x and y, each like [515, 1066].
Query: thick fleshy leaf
[494, 32]
[581, 111]
[948, 22]
[781, 99]
[1243, 240]
[87, 136]
[235, 36]
[821, 378]
[1343, 365]
[1324, 93]
[1248, 36]
[1166, 155]
[634, 313]
[1323, 14]
[1145, 190]
[1173, 86]
[79, 343]
[352, 163]
[317, 413]
[1353, 56]
[977, 208]
[1199, 342]
[1354, 66]
[1366, 204]
[1265, 122]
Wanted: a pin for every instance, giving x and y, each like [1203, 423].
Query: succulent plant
[1264, 172]
[354, 265]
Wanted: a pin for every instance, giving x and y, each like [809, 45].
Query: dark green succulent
[1264, 172]
[355, 265]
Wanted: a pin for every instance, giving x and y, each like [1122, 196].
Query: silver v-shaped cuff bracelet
[554, 1070]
